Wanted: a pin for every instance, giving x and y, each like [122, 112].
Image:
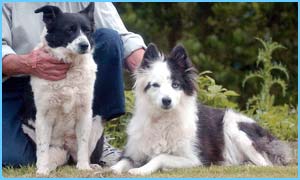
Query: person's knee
[108, 47]
[108, 37]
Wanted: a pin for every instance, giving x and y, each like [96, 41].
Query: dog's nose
[83, 46]
[166, 101]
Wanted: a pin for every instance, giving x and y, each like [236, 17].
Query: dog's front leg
[43, 137]
[164, 161]
[122, 166]
[83, 129]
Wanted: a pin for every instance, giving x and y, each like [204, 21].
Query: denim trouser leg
[109, 101]
[17, 148]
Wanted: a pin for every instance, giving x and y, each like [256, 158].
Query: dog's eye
[155, 85]
[71, 29]
[86, 30]
[175, 85]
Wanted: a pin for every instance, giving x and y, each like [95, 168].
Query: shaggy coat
[64, 107]
[170, 129]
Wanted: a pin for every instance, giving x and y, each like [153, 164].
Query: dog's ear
[89, 11]
[50, 13]
[180, 61]
[150, 55]
[180, 58]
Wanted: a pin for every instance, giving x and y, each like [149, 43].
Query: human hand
[135, 59]
[41, 64]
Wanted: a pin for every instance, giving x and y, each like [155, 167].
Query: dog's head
[166, 80]
[72, 31]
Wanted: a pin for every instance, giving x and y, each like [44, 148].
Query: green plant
[265, 100]
[116, 129]
[210, 93]
[220, 36]
[280, 120]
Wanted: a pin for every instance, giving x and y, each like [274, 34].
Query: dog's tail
[29, 129]
[276, 151]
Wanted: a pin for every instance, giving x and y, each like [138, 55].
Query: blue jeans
[109, 101]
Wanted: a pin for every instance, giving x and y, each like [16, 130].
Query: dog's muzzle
[166, 103]
[83, 48]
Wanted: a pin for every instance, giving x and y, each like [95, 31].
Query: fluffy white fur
[167, 137]
[70, 143]
[64, 108]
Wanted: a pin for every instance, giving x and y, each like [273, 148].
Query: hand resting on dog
[38, 63]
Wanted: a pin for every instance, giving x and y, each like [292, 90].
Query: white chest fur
[172, 133]
[62, 100]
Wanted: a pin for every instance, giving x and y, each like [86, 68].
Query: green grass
[213, 171]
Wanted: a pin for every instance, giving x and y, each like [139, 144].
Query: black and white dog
[64, 107]
[170, 129]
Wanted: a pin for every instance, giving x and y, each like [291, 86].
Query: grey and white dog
[170, 129]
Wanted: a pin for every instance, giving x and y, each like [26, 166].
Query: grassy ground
[214, 171]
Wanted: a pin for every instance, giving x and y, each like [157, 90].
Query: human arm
[37, 62]
[135, 59]
[106, 16]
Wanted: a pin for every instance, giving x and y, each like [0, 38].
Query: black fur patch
[257, 134]
[97, 153]
[63, 28]
[278, 152]
[210, 134]
[147, 87]
[151, 54]
[28, 110]
[182, 70]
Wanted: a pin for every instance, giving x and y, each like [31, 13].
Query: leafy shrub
[209, 93]
[265, 100]
[281, 120]
[219, 36]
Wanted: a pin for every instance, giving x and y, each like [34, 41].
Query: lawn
[213, 171]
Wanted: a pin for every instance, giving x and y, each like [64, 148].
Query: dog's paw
[43, 171]
[117, 169]
[84, 166]
[95, 166]
[140, 171]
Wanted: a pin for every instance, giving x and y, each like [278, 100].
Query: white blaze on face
[74, 46]
[160, 73]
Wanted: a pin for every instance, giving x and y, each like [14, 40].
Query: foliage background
[220, 37]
